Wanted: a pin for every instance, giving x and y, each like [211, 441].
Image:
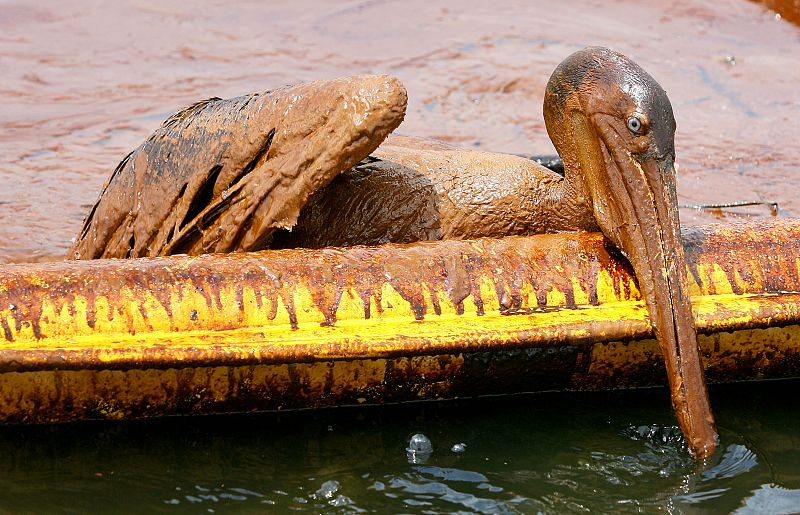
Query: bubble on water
[419, 448]
[340, 500]
[420, 443]
[328, 488]
[656, 435]
[458, 448]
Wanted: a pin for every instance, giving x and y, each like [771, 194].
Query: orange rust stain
[768, 353]
[754, 258]
[67, 395]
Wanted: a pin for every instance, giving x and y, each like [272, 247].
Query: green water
[604, 452]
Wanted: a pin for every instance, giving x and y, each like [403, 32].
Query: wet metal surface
[65, 395]
[299, 328]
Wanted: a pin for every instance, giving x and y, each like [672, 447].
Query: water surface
[615, 452]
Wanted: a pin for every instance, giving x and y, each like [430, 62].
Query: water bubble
[340, 500]
[419, 448]
[458, 448]
[328, 488]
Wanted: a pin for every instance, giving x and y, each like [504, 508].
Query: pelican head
[613, 126]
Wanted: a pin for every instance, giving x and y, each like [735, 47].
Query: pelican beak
[635, 204]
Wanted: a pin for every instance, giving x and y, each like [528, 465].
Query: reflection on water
[771, 499]
[551, 453]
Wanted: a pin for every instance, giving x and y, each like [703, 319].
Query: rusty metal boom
[302, 328]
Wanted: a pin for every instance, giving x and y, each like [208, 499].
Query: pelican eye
[635, 125]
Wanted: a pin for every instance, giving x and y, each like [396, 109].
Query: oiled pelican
[226, 175]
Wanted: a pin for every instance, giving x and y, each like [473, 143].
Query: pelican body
[610, 121]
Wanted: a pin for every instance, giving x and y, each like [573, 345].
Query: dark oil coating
[222, 175]
[373, 203]
[414, 189]
[613, 126]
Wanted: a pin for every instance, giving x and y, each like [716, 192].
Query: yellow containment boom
[288, 329]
